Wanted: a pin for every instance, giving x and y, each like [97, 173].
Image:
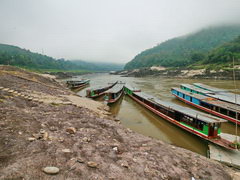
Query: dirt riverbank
[44, 124]
[223, 74]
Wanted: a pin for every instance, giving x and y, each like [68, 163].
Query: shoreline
[44, 124]
[226, 74]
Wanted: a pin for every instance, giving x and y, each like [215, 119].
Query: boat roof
[228, 97]
[196, 88]
[131, 88]
[221, 95]
[115, 88]
[101, 87]
[185, 110]
[209, 88]
[210, 100]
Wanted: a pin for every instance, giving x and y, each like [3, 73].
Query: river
[136, 117]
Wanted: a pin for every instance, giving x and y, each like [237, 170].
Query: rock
[71, 130]
[61, 139]
[92, 164]
[86, 139]
[31, 139]
[1, 88]
[5, 89]
[53, 128]
[20, 133]
[80, 160]
[51, 170]
[42, 131]
[125, 164]
[66, 150]
[115, 149]
[116, 119]
[10, 91]
[45, 136]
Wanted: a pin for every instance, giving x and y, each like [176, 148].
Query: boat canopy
[184, 110]
[115, 88]
[221, 94]
[210, 100]
[132, 88]
[189, 86]
[209, 88]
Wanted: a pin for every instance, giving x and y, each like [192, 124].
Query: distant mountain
[185, 50]
[99, 66]
[13, 55]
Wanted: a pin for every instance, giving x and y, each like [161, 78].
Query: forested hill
[186, 50]
[13, 55]
[224, 54]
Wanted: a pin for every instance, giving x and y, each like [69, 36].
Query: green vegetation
[197, 49]
[13, 55]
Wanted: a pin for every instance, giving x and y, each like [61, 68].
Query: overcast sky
[106, 30]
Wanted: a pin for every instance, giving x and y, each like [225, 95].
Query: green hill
[186, 50]
[224, 54]
[13, 55]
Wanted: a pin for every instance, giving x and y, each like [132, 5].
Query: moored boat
[78, 84]
[93, 93]
[113, 95]
[221, 94]
[201, 124]
[228, 111]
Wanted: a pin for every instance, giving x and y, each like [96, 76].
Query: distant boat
[78, 84]
[93, 93]
[221, 94]
[211, 105]
[113, 95]
[201, 124]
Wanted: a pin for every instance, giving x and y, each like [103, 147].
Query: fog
[106, 30]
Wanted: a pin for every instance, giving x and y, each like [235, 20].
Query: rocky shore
[224, 74]
[47, 132]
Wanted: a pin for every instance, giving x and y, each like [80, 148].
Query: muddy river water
[134, 116]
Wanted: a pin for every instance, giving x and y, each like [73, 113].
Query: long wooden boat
[228, 111]
[220, 94]
[201, 124]
[78, 84]
[113, 95]
[93, 93]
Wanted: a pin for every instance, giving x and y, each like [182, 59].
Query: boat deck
[171, 106]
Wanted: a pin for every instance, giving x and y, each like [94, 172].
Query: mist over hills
[187, 50]
[16, 56]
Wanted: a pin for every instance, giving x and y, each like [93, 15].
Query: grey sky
[106, 30]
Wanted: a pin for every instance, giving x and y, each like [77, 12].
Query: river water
[134, 116]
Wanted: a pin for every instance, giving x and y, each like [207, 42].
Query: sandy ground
[74, 135]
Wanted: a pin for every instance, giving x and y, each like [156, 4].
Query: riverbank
[223, 74]
[44, 124]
